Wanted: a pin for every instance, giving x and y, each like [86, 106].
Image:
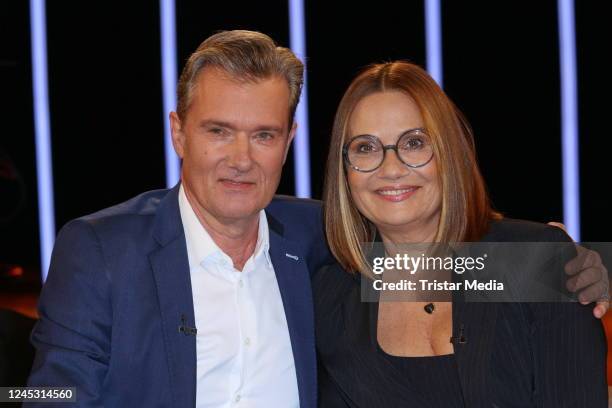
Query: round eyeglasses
[366, 153]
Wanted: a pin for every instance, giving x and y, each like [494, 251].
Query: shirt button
[247, 341]
[240, 283]
[237, 398]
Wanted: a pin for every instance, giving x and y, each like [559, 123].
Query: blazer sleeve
[569, 351]
[73, 335]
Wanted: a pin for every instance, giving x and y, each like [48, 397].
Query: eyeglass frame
[385, 148]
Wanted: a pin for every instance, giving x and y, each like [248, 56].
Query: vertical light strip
[169, 78]
[433, 39]
[301, 148]
[44, 168]
[569, 118]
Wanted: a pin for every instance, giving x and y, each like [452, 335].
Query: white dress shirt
[244, 355]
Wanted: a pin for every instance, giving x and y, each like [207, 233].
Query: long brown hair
[465, 210]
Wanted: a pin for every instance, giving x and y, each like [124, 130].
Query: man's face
[233, 141]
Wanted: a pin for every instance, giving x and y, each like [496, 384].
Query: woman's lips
[396, 194]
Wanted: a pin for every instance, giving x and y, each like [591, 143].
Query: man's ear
[178, 136]
[289, 140]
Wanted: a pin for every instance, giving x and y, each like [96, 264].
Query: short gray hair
[246, 56]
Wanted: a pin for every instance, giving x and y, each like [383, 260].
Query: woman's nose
[392, 167]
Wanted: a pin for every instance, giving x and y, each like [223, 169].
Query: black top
[515, 354]
[435, 381]
[374, 378]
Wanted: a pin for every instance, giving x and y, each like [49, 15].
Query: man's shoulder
[113, 238]
[143, 204]
[132, 216]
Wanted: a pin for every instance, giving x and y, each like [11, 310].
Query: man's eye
[216, 131]
[265, 136]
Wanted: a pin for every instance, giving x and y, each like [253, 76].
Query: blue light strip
[44, 168]
[569, 118]
[169, 78]
[301, 148]
[433, 39]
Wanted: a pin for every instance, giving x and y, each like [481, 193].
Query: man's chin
[238, 213]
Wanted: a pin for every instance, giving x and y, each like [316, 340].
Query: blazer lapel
[294, 284]
[473, 337]
[170, 267]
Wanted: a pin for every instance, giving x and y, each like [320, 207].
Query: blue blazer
[119, 288]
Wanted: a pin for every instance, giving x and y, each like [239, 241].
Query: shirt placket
[243, 295]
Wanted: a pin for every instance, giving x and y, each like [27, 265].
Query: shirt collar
[262, 247]
[201, 247]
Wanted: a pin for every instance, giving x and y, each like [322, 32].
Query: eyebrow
[269, 129]
[421, 129]
[207, 123]
[219, 123]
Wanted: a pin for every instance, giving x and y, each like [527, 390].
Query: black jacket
[515, 354]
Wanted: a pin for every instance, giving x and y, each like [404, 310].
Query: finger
[593, 293]
[575, 265]
[586, 278]
[601, 309]
[584, 258]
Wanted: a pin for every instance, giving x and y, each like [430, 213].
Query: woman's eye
[365, 148]
[414, 143]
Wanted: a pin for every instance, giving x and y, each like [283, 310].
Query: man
[198, 295]
[129, 286]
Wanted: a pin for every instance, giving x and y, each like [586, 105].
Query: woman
[429, 189]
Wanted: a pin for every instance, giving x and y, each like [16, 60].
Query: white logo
[294, 257]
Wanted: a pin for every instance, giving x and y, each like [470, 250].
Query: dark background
[501, 67]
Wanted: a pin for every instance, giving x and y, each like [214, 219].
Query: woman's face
[399, 200]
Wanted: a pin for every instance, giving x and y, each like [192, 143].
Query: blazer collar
[473, 340]
[293, 280]
[275, 225]
[170, 266]
[167, 225]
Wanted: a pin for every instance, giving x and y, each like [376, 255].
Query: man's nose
[239, 156]
[392, 167]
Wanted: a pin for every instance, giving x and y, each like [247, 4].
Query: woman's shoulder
[331, 282]
[515, 230]
[334, 277]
